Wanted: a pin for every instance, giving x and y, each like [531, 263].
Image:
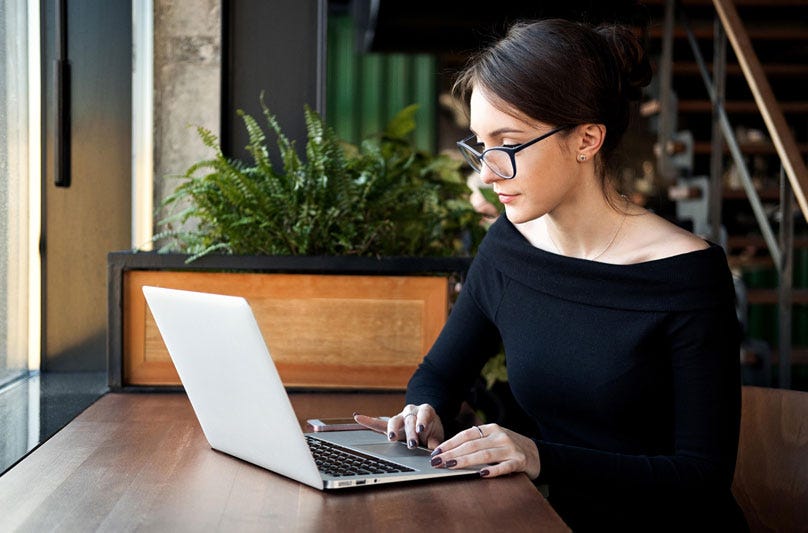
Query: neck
[586, 237]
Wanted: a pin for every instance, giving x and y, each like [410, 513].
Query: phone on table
[334, 424]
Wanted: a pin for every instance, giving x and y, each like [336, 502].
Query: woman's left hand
[503, 450]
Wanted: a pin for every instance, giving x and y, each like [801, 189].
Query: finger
[428, 427]
[467, 435]
[495, 451]
[371, 422]
[396, 429]
[499, 469]
[496, 455]
[494, 461]
[410, 418]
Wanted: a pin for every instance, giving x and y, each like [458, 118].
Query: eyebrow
[500, 131]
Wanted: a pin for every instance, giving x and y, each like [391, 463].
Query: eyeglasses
[500, 159]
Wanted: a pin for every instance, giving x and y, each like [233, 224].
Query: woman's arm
[706, 417]
[703, 351]
[468, 339]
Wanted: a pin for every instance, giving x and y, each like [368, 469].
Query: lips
[505, 198]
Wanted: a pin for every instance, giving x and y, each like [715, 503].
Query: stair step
[753, 148]
[771, 70]
[799, 357]
[769, 296]
[738, 3]
[737, 241]
[771, 31]
[738, 106]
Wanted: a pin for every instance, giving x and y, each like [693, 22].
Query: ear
[590, 138]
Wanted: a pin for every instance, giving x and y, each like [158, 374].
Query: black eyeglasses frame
[463, 146]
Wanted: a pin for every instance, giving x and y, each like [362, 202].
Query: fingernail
[391, 435]
[436, 451]
[412, 443]
[420, 428]
[484, 472]
[435, 461]
[355, 413]
[450, 463]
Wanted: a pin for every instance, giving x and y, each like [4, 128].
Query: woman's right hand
[415, 424]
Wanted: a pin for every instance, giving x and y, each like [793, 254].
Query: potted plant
[392, 220]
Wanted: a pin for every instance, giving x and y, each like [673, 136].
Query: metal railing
[793, 174]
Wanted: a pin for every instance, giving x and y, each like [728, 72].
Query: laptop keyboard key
[336, 460]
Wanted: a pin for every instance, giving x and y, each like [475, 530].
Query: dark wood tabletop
[136, 461]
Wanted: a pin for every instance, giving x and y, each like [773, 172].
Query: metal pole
[785, 271]
[717, 148]
[666, 112]
[735, 151]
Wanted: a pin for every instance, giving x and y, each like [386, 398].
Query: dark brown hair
[562, 72]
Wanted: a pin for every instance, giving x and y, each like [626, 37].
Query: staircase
[778, 33]
[680, 184]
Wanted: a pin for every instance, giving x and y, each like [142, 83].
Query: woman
[619, 328]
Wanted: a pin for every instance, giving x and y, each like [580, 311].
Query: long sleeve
[705, 401]
[466, 342]
[630, 373]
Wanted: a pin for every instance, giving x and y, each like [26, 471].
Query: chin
[516, 216]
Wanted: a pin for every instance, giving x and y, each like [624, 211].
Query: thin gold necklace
[611, 242]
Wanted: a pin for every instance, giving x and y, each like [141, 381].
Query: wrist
[534, 461]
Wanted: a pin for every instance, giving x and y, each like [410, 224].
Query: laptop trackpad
[391, 449]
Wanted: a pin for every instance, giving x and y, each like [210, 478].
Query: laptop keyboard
[334, 460]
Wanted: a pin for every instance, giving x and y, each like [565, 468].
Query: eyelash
[481, 146]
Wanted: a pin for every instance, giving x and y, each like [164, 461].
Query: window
[14, 189]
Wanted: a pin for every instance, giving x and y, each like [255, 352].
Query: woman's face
[546, 172]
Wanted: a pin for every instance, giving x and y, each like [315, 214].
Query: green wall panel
[364, 91]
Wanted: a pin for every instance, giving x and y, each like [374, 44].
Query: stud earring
[581, 158]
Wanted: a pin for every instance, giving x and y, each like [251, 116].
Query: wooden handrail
[781, 135]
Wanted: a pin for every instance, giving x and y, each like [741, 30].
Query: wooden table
[140, 462]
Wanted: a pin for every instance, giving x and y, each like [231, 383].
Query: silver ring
[480, 430]
[410, 414]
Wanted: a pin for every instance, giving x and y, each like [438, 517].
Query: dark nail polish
[436, 451]
[412, 443]
[450, 463]
[355, 413]
[391, 435]
[420, 428]
[435, 461]
[484, 473]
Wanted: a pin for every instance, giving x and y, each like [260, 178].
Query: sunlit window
[14, 156]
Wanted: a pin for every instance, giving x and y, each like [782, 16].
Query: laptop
[241, 404]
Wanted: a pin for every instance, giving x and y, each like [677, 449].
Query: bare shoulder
[651, 237]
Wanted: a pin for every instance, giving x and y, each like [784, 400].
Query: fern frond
[381, 197]
[257, 145]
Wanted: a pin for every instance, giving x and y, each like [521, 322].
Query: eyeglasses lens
[498, 161]
[471, 158]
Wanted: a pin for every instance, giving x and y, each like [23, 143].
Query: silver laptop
[242, 406]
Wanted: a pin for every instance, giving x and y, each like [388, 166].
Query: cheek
[548, 182]
[549, 159]
[543, 173]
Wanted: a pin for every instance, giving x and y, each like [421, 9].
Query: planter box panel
[332, 331]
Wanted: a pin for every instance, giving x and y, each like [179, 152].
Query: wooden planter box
[336, 323]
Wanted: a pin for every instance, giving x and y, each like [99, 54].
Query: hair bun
[632, 61]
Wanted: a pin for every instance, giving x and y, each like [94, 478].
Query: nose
[488, 176]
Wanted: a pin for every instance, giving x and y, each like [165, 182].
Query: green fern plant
[380, 198]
